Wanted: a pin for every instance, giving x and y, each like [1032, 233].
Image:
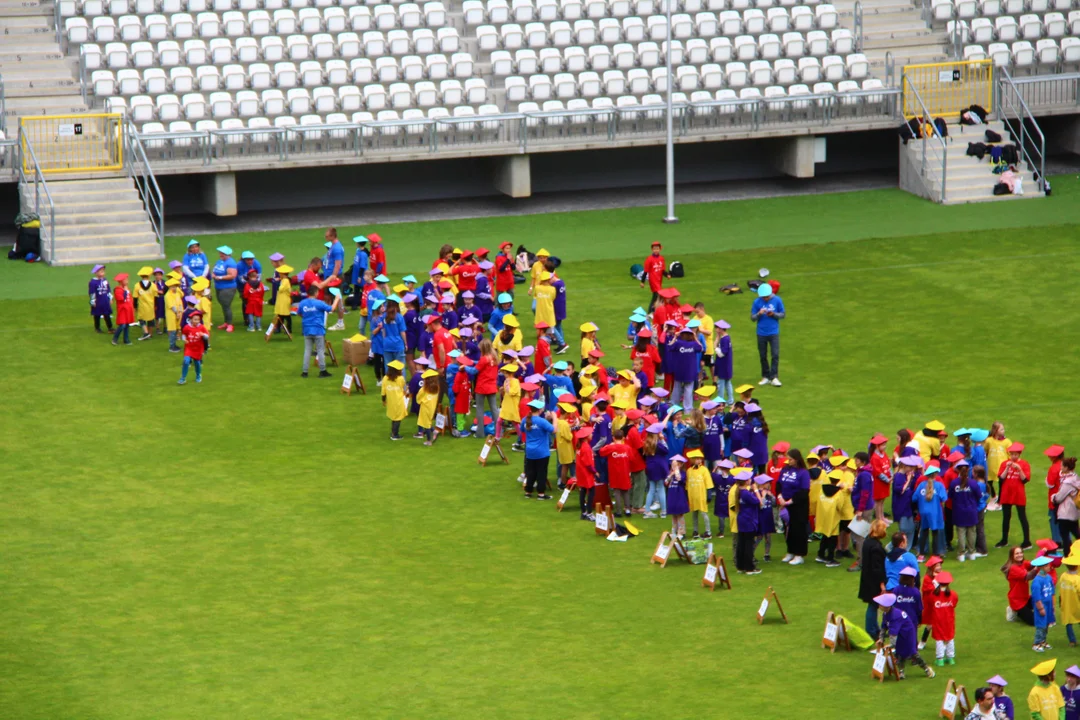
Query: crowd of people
[664, 436]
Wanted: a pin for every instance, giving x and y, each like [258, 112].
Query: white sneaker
[521, 478]
[764, 381]
[776, 382]
[797, 561]
[787, 558]
[339, 325]
[978, 555]
[655, 506]
[960, 558]
[1010, 614]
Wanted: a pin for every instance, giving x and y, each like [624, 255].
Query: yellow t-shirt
[929, 447]
[1068, 589]
[427, 401]
[509, 411]
[618, 392]
[174, 308]
[708, 328]
[587, 346]
[534, 274]
[995, 455]
[393, 392]
[1046, 701]
[144, 301]
[283, 302]
[815, 491]
[545, 304]
[514, 344]
[827, 517]
[207, 311]
[698, 480]
[564, 442]
[733, 508]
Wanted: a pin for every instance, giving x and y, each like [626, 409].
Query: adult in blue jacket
[195, 263]
[930, 497]
[225, 271]
[767, 311]
[537, 431]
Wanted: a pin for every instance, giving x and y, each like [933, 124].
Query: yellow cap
[837, 460]
[455, 333]
[589, 327]
[632, 529]
[429, 373]
[621, 404]
[172, 282]
[284, 269]
[705, 391]
[587, 391]
[836, 474]
[567, 407]
[510, 321]
[175, 275]
[935, 426]
[444, 268]
[626, 374]
[1045, 668]
[146, 270]
[744, 388]
[695, 454]
[509, 367]
[742, 472]
[457, 251]
[200, 284]
[591, 369]
[395, 365]
[1072, 560]
[545, 276]
[401, 288]
[542, 253]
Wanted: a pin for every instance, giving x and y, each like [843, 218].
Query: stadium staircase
[896, 27]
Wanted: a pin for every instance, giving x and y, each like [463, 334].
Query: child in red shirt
[542, 361]
[253, 301]
[195, 335]
[584, 471]
[462, 395]
[125, 309]
[880, 469]
[929, 584]
[618, 454]
[943, 601]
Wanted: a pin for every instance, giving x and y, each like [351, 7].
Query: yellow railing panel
[74, 143]
[949, 87]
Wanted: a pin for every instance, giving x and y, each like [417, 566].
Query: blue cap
[328, 244]
[381, 278]
[979, 435]
[505, 298]
[764, 290]
[192, 242]
[247, 255]
[395, 298]
[931, 470]
[1040, 561]
[536, 404]
[561, 365]
[225, 249]
[675, 408]
[638, 318]
[377, 304]
[961, 431]
[695, 323]
[409, 278]
[359, 239]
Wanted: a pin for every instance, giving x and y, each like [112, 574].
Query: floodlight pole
[670, 150]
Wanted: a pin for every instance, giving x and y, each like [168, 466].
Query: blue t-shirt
[537, 440]
[242, 270]
[197, 264]
[767, 324]
[336, 253]
[391, 341]
[311, 314]
[359, 264]
[221, 267]
[1042, 588]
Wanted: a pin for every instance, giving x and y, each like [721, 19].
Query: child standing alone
[100, 299]
[253, 301]
[393, 396]
[1042, 600]
[944, 601]
[195, 334]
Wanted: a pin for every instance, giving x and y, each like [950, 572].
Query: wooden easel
[716, 574]
[442, 419]
[485, 451]
[835, 633]
[565, 495]
[956, 698]
[663, 550]
[884, 664]
[330, 352]
[274, 325]
[603, 521]
[764, 607]
[351, 381]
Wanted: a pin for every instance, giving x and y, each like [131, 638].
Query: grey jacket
[1067, 490]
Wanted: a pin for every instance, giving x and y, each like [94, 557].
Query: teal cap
[359, 239]
[247, 255]
[225, 249]
[409, 278]
[192, 242]
[561, 365]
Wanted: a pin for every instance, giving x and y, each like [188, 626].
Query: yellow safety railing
[948, 87]
[75, 143]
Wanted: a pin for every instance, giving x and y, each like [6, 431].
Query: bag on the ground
[524, 260]
[992, 137]
[996, 153]
[941, 127]
[977, 149]
[732, 289]
[675, 269]
[973, 115]
[637, 271]
[1002, 189]
[1010, 154]
[910, 130]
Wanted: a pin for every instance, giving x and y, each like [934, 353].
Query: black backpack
[1010, 154]
[977, 150]
[992, 137]
[676, 270]
[941, 127]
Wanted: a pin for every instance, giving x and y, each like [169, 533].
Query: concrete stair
[968, 179]
[895, 26]
[97, 220]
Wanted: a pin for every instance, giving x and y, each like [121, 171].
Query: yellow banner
[948, 87]
[74, 143]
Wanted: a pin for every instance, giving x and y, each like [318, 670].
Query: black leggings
[1026, 614]
[827, 548]
[1069, 530]
[652, 303]
[744, 551]
[536, 474]
[585, 499]
[108, 322]
[798, 518]
[1006, 520]
[380, 369]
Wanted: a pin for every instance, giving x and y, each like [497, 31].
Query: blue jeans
[725, 390]
[938, 547]
[172, 340]
[683, 394]
[1040, 634]
[1070, 634]
[188, 362]
[871, 623]
[658, 493]
[907, 526]
[122, 329]
[391, 356]
[556, 332]
[364, 324]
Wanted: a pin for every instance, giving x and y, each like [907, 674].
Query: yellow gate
[73, 143]
[948, 87]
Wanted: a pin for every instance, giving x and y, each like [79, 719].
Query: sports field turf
[254, 546]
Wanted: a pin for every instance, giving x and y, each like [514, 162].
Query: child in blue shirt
[1042, 602]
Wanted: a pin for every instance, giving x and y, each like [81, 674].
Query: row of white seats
[208, 78]
[116, 8]
[169, 53]
[1022, 54]
[688, 78]
[528, 62]
[499, 11]
[180, 26]
[1007, 29]
[298, 101]
[967, 9]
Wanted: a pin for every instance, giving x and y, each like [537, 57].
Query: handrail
[3, 119]
[928, 122]
[1009, 98]
[39, 185]
[145, 183]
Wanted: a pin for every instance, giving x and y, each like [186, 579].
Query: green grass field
[254, 546]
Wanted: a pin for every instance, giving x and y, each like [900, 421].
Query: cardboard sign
[330, 353]
[278, 323]
[764, 607]
[831, 631]
[603, 521]
[565, 496]
[963, 701]
[358, 384]
[485, 451]
[715, 574]
[346, 384]
[884, 664]
[663, 550]
[440, 422]
[955, 700]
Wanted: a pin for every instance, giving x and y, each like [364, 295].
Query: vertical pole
[670, 149]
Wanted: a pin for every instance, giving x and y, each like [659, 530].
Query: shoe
[1048, 646]
[395, 437]
[1025, 546]
[832, 564]
[427, 443]
[846, 554]
[663, 515]
[655, 506]
[650, 516]
[755, 571]
[787, 558]
[627, 513]
[517, 448]
[978, 555]
[562, 350]
[921, 645]
[709, 535]
[1001, 544]
[585, 516]
[127, 342]
[147, 336]
[115, 343]
[229, 328]
[900, 674]
[1038, 648]
[339, 325]
[766, 558]
[695, 536]
[764, 381]
[854, 567]
[222, 326]
[950, 661]
[528, 496]
[1010, 614]
[378, 383]
[181, 382]
[820, 560]
[324, 373]
[418, 435]
[521, 478]
[940, 662]
[921, 559]
[175, 350]
[797, 561]
[591, 517]
[303, 374]
[930, 672]
[198, 378]
[543, 497]
[959, 558]
[776, 382]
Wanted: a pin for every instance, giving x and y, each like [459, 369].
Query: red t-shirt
[444, 339]
[378, 260]
[880, 465]
[618, 465]
[487, 376]
[462, 392]
[1011, 491]
[944, 615]
[466, 276]
[650, 358]
[654, 269]
[633, 439]
[1019, 590]
[543, 356]
[125, 306]
[311, 277]
[585, 466]
[504, 274]
[928, 586]
[1053, 481]
[193, 342]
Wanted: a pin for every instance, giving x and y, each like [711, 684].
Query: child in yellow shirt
[698, 483]
[564, 441]
[393, 397]
[588, 341]
[283, 301]
[1068, 592]
[144, 294]
[201, 290]
[510, 407]
[174, 310]
[428, 399]
[537, 269]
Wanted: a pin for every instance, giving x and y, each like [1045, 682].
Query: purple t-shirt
[683, 360]
[723, 365]
[965, 502]
[901, 501]
[862, 495]
[560, 299]
[791, 481]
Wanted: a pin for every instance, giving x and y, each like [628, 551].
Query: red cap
[944, 577]
[121, 277]
[933, 560]
[584, 432]
[432, 318]
[466, 254]
[686, 307]
[482, 251]
[505, 243]
[645, 333]
[1047, 544]
[955, 456]
[541, 325]
[878, 439]
[668, 292]
[596, 353]
[781, 447]
[464, 361]
[445, 285]
[529, 387]
[656, 243]
[374, 237]
[601, 396]
[1054, 451]
[1015, 447]
[635, 414]
[650, 419]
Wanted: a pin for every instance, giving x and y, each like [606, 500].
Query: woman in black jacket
[872, 574]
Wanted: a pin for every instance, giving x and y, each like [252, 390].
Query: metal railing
[858, 26]
[3, 118]
[519, 132]
[1014, 112]
[1047, 91]
[931, 146]
[137, 167]
[41, 194]
[9, 157]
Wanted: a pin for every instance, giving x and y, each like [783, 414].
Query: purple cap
[671, 322]
[191, 299]
[470, 320]
[910, 571]
[434, 271]
[1074, 671]
[277, 257]
[509, 352]
[655, 428]
[752, 407]
[726, 464]
[526, 351]
[762, 479]
[647, 401]
[709, 405]
[422, 361]
[962, 463]
[159, 270]
[448, 297]
[96, 268]
[468, 294]
[431, 298]
[723, 324]
[743, 453]
[465, 332]
[535, 377]
[409, 297]
[659, 392]
[486, 264]
[173, 264]
[997, 680]
[886, 600]
[680, 458]
[911, 461]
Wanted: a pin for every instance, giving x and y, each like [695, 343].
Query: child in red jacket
[944, 601]
[462, 396]
[253, 301]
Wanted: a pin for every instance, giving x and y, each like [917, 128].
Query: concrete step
[986, 194]
[132, 213]
[108, 184]
[909, 55]
[106, 253]
[25, 8]
[93, 210]
[45, 105]
[76, 234]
